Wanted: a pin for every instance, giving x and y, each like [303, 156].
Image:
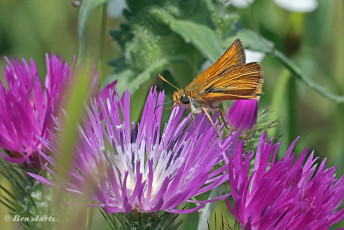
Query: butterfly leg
[193, 120]
[223, 118]
[194, 110]
[207, 114]
[171, 107]
[221, 115]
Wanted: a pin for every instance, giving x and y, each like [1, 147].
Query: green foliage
[223, 224]
[26, 197]
[142, 221]
[158, 34]
[199, 35]
[306, 80]
[173, 35]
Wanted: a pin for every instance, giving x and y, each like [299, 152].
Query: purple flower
[243, 114]
[283, 194]
[134, 167]
[26, 108]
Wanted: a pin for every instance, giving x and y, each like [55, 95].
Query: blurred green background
[313, 41]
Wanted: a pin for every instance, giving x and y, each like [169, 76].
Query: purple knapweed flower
[243, 114]
[283, 194]
[134, 167]
[26, 108]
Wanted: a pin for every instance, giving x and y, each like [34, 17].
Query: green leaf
[86, 9]
[201, 36]
[252, 41]
[206, 212]
[124, 78]
[128, 79]
[304, 79]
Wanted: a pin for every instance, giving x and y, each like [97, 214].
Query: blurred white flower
[302, 6]
[254, 56]
[115, 8]
[241, 3]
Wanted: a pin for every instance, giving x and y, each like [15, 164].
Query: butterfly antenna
[162, 78]
[167, 102]
[157, 106]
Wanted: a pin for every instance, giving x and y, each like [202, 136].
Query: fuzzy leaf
[201, 36]
[128, 79]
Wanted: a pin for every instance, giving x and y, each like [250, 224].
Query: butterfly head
[180, 97]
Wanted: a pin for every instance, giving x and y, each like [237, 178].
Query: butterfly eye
[185, 99]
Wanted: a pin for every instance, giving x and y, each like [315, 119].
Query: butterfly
[229, 78]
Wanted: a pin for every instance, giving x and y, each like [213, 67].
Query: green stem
[292, 110]
[89, 219]
[278, 99]
[309, 83]
[102, 39]
[86, 9]
[77, 95]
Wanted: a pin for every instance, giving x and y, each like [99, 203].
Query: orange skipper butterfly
[229, 78]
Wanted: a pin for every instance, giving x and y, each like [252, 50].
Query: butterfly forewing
[235, 55]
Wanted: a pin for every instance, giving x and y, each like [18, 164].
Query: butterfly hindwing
[237, 82]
